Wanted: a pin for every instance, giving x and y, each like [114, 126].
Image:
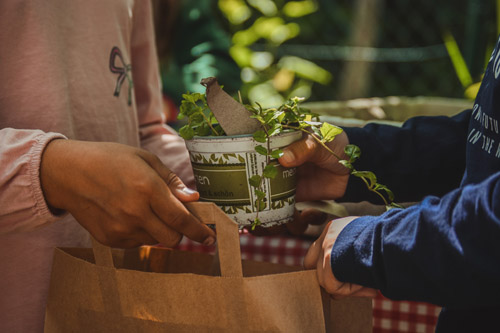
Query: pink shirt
[65, 67]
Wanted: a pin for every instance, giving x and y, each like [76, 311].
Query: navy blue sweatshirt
[446, 249]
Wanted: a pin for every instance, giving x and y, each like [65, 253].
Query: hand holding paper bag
[124, 196]
[319, 255]
[153, 289]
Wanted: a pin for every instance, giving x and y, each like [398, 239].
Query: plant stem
[315, 138]
[259, 201]
[209, 124]
[375, 191]
[338, 158]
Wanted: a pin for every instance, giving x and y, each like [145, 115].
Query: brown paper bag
[162, 290]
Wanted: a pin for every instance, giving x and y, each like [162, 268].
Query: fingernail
[288, 156]
[186, 190]
[209, 241]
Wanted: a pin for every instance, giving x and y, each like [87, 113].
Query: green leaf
[366, 174]
[353, 152]
[260, 194]
[380, 187]
[260, 136]
[270, 171]
[203, 130]
[281, 117]
[254, 180]
[196, 119]
[268, 117]
[313, 123]
[275, 129]
[277, 153]
[394, 205]
[316, 131]
[256, 223]
[277, 114]
[329, 132]
[188, 97]
[186, 132]
[261, 150]
[260, 204]
[198, 96]
[345, 163]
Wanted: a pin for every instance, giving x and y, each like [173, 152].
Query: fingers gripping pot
[222, 167]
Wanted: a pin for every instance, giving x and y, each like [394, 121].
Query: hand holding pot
[123, 196]
[319, 176]
[318, 257]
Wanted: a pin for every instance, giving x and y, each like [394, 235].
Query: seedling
[287, 117]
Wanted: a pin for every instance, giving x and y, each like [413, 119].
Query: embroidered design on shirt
[122, 71]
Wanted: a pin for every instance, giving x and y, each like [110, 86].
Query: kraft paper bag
[151, 289]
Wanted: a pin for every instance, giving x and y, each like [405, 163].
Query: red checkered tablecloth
[388, 315]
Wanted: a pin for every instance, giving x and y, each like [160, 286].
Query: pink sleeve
[156, 136]
[22, 205]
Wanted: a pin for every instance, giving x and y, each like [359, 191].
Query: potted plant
[239, 172]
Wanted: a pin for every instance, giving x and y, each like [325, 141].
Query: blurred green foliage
[268, 77]
[271, 50]
[195, 46]
[288, 48]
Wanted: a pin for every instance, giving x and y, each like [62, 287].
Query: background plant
[319, 32]
[258, 29]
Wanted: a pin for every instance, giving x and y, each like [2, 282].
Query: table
[388, 316]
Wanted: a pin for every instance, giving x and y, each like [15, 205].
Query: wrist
[49, 169]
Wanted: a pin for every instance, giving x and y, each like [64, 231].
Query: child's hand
[319, 255]
[320, 176]
[123, 196]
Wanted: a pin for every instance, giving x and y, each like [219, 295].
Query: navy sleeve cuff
[348, 263]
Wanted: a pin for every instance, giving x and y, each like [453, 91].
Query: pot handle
[228, 243]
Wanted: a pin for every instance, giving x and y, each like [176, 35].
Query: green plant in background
[266, 77]
[287, 117]
[471, 88]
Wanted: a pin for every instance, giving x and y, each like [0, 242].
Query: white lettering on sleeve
[475, 137]
[471, 132]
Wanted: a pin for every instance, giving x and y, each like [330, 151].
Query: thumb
[179, 189]
[298, 152]
[314, 252]
[175, 184]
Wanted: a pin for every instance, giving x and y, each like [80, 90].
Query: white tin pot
[222, 166]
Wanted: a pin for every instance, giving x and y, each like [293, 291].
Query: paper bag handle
[228, 242]
[102, 254]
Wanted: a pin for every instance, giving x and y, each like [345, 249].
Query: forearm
[400, 157]
[429, 252]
